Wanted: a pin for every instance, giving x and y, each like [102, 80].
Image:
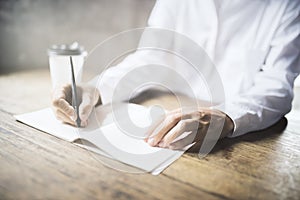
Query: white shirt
[255, 46]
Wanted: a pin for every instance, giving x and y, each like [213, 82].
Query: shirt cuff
[235, 113]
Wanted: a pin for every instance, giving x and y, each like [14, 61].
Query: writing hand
[62, 103]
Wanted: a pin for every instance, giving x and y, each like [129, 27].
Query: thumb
[89, 99]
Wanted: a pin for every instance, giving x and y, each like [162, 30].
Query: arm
[262, 105]
[270, 97]
[160, 17]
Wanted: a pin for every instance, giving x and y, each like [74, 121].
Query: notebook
[115, 131]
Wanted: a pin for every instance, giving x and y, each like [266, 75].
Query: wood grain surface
[35, 165]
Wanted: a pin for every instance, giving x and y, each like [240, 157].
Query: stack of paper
[108, 136]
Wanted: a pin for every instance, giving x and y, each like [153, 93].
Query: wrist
[228, 126]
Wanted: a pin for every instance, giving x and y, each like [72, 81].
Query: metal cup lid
[66, 50]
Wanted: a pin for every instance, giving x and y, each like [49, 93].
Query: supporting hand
[177, 129]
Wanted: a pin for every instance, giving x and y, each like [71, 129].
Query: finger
[180, 128]
[177, 130]
[154, 126]
[182, 143]
[62, 92]
[169, 122]
[86, 106]
[65, 107]
[63, 117]
[196, 135]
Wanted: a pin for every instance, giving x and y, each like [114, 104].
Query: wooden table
[35, 165]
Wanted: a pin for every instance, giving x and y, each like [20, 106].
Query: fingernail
[151, 141]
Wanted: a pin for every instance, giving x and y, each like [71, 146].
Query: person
[255, 46]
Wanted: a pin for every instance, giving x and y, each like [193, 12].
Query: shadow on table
[226, 143]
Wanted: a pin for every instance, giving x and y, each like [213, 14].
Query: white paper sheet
[111, 139]
[45, 120]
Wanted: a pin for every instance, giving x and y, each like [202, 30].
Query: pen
[74, 95]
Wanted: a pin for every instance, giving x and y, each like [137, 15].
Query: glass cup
[60, 65]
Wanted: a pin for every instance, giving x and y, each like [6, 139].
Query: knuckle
[177, 116]
[60, 104]
[196, 115]
[69, 113]
[55, 102]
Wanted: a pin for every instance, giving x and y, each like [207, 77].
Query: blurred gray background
[29, 27]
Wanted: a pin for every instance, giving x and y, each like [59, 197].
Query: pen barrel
[74, 94]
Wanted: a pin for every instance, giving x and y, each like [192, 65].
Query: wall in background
[29, 27]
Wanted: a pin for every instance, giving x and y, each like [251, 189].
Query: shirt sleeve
[270, 98]
[161, 17]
